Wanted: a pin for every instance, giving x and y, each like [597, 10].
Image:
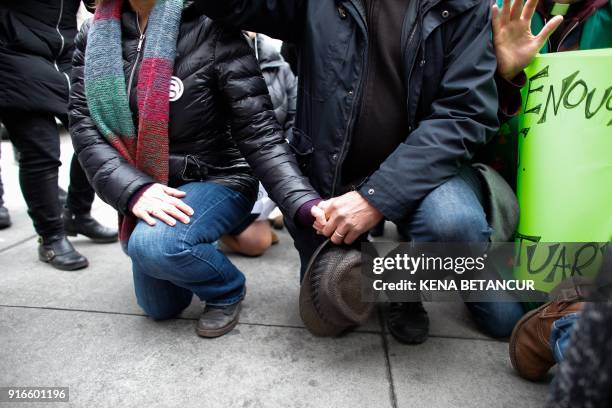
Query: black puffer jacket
[280, 80]
[223, 115]
[36, 45]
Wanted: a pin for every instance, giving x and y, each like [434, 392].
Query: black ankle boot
[408, 323]
[85, 224]
[5, 219]
[58, 252]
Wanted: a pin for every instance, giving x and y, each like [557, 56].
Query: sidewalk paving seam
[16, 244]
[385, 346]
[60, 309]
[283, 326]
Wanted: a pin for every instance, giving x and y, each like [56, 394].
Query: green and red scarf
[145, 148]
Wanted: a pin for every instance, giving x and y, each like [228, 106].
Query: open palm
[515, 44]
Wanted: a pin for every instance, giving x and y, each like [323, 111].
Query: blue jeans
[170, 264]
[561, 334]
[454, 212]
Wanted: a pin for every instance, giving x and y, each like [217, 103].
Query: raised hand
[164, 203]
[515, 44]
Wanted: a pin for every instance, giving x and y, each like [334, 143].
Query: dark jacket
[281, 82]
[36, 45]
[449, 64]
[223, 116]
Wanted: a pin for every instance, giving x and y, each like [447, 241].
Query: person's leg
[77, 205]
[185, 256]
[80, 192]
[36, 137]
[561, 335]
[5, 219]
[254, 240]
[496, 319]
[451, 213]
[306, 241]
[159, 299]
[454, 213]
[1, 184]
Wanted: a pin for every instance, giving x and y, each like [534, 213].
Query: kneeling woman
[165, 107]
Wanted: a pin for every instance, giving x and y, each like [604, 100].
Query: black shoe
[85, 224]
[5, 218]
[59, 253]
[408, 323]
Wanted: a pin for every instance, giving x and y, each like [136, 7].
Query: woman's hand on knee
[164, 203]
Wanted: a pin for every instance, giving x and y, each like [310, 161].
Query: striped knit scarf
[145, 148]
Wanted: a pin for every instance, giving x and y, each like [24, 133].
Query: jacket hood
[267, 54]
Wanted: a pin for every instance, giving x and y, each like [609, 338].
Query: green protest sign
[565, 164]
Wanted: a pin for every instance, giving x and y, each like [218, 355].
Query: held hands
[345, 218]
[162, 202]
[515, 45]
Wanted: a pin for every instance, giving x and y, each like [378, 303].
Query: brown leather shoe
[530, 349]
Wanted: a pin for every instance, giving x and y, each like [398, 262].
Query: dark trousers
[36, 137]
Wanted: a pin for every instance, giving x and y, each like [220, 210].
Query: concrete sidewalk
[84, 330]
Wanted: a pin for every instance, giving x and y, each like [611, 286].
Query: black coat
[223, 116]
[449, 65]
[36, 45]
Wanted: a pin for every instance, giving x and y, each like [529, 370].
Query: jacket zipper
[63, 42]
[357, 95]
[414, 60]
[138, 49]
[567, 33]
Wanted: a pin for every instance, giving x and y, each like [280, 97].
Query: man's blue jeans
[170, 264]
[454, 212]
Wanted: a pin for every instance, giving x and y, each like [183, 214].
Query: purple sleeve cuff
[136, 196]
[510, 95]
[303, 217]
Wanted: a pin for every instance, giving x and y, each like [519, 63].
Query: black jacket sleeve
[280, 19]
[111, 176]
[463, 117]
[254, 126]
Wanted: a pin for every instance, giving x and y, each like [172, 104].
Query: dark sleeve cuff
[510, 100]
[383, 201]
[303, 217]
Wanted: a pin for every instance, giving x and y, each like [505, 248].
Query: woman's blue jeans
[171, 264]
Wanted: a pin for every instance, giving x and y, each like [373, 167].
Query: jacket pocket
[302, 148]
